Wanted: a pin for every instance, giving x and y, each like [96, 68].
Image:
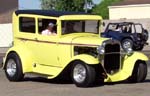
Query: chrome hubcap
[79, 73]
[11, 67]
[127, 44]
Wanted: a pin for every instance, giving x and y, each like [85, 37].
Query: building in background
[137, 11]
[130, 9]
[7, 7]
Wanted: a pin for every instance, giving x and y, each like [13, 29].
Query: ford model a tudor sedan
[75, 48]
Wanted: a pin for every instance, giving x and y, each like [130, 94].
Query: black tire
[139, 73]
[124, 44]
[13, 67]
[88, 71]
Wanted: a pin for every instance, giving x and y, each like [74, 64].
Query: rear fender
[25, 56]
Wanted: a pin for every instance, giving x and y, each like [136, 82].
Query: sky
[96, 1]
[35, 4]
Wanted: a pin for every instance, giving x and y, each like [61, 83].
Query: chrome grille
[112, 57]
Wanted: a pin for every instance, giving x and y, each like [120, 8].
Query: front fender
[130, 61]
[25, 55]
[88, 59]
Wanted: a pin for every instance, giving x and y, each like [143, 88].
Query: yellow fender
[128, 64]
[26, 58]
[88, 59]
[129, 61]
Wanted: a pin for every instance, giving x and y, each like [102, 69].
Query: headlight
[129, 51]
[101, 49]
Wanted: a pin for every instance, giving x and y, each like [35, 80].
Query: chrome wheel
[79, 73]
[127, 44]
[83, 75]
[11, 67]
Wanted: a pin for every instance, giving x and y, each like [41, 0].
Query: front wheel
[13, 67]
[139, 72]
[127, 43]
[83, 75]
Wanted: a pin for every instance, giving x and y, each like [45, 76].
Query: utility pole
[86, 5]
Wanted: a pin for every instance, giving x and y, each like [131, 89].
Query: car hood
[85, 39]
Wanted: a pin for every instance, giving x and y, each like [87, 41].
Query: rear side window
[27, 24]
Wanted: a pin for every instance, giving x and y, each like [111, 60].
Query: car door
[27, 35]
[47, 45]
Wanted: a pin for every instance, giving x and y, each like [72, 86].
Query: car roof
[122, 23]
[49, 12]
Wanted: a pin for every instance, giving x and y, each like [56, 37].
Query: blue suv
[129, 34]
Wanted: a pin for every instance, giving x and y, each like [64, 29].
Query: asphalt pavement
[35, 86]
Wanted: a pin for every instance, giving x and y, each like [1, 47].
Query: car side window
[78, 26]
[27, 24]
[138, 28]
[43, 24]
[133, 29]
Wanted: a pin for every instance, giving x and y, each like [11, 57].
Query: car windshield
[80, 26]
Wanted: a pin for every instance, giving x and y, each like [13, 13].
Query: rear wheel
[139, 73]
[83, 75]
[13, 67]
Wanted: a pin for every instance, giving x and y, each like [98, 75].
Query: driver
[49, 30]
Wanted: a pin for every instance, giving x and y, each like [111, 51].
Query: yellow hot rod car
[76, 48]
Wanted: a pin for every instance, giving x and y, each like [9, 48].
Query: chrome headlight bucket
[101, 48]
[129, 51]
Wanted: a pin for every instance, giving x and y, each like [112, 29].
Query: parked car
[76, 50]
[128, 33]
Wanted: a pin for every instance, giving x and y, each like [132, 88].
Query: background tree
[66, 5]
[102, 8]
[48, 4]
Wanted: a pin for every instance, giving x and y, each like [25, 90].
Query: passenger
[49, 30]
[118, 28]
